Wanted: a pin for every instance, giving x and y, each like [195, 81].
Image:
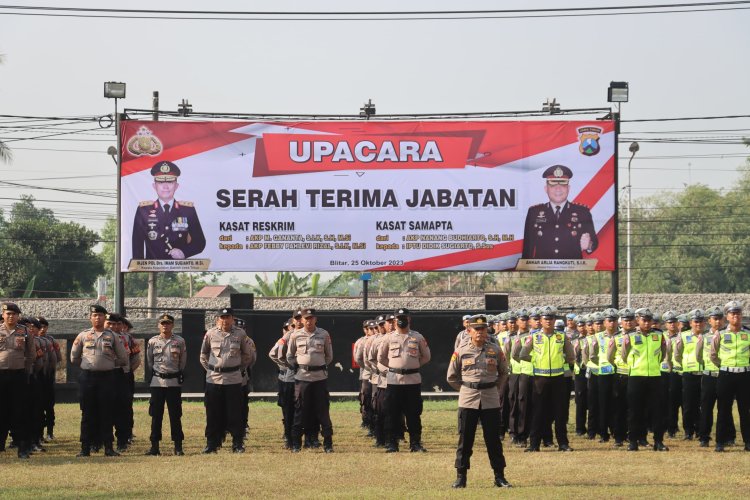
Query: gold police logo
[589, 140]
[144, 142]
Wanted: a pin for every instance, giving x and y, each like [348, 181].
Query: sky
[687, 64]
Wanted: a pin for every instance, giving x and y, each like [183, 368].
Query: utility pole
[152, 293]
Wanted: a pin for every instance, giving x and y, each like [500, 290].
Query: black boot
[238, 446]
[328, 444]
[460, 481]
[154, 450]
[500, 480]
[109, 451]
[296, 444]
[392, 447]
[178, 449]
[24, 450]
[85, 451]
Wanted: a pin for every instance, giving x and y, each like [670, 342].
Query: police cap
[581, 319]
[401, 312]
[570, 316]
[478, 321]
[523, 313]
[558, 174]
[165, 171]
[597, 317]
[682, 318]
[365, 323]
[306, 313]
[697, 315]
[113, 317]
[715, 312]
[288, 323]
[390, 317]
[732, 306]
[10, 306]
[669, 316]
[372, 324]
[610, 313]
[645, 313]
[96, 308]
[559, 324]
[297, 314]
[166, 318]
[511, 316]
[535, 312]
[239, 322]
[226, 311]
[42, 321]
[466, 317]
[33, 322]
[380, 320]
[548, 311]
[627, 313]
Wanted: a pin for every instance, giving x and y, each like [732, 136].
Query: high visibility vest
[621, 365]
[524, 367]
[547, 356]
[644, 358]
[734, 348]
[605, 367]
[708, 339]
[689, 359]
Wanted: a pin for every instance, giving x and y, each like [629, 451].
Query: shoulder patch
[145, 203]
[186, 203]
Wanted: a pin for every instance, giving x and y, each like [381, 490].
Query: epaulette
[186, 203]
[579, 205]
[145, 203]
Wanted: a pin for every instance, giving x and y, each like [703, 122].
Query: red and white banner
[368, 195]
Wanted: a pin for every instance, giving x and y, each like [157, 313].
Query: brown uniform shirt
[359, 358]
[17, 350]
[98, 351]
[371, 360]
[306, 350]
[403, 351]
[478, 365]
[278, 356]
[167, 356]
[222, 349]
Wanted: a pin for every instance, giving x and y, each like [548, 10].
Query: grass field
[356, 470]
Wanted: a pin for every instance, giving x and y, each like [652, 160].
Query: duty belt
[403, 371]
[166, 375]
[735, 369]
[223, 370]
[479, 385]
[312, 368]
[711, 373]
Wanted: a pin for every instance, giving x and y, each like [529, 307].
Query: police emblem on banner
[589, 140]
[144, 142]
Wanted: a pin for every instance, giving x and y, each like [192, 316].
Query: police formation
[514, 373]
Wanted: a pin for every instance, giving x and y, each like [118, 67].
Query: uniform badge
[638, 339]
[574, 233]
[468, 362]
[539, 338]
[144, 142]
[656, 337]
[152, 235]
[589, 140]
[743, 336]
[574, 218]
[727, 338]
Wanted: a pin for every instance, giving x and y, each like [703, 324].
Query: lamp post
[634, 147]
[618, 92]
[116, 90]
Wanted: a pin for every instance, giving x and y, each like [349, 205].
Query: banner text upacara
[366, 198]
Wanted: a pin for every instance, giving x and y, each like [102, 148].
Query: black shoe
[417, 447]
[296, 449]
[315, 444]
[238, 448]
[591, 437]
[688, 437]
[531, 449]
[122, 448]
[287, 444]
[731, 442]
[370, 434]
[460, 481]
[391, 448]
[514, 440]
[580, 433]
[109, 452]
[96, 448]
[659, 446]
[643, 442]
[618, 444]
[703, 444]
[719, 447]
[178, 449]
[378, 444]
[500, 480]
[548, 444]
[210, 449]
[153, 451]
[564, 447]
[328, 448]
[23, 454]
[85, 452]
[50, 437]
[604, 440]
[747, 447]
[671, 435]
[522, 443]
[633, 447]
[36, 448]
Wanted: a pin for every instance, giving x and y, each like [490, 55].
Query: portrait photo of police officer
[558, 229]
[166, 228]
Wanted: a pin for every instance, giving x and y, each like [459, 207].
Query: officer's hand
[176, 253]
[585, 241]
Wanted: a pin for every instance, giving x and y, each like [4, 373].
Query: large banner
[368, 195]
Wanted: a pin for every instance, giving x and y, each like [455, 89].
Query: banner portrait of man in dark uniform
[558, 229]
[166, 228]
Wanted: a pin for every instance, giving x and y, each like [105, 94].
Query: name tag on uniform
[468, 362]
[728, 338]
[89, 344]
[688, 338]
[638, 339]
[490, 352]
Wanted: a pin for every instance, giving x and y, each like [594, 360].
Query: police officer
[365, 387]
[403, 352]
[622, 370]
[378, 378]
[17, 354]
[98, 352]
[463, 335]
[520, 391]
[674, 328]
[166, 228]
[286, 380]
[605, 374]
[580, 381]
[120, 388]
[477, 370]
[309, 353]
[35, 402]
[730, 351]
[55, 359]
[558, 229]
[709, 378]
[225, 352]
[644, 350]
[686, 355]
[166, 356]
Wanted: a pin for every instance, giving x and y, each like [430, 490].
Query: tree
[36, 249]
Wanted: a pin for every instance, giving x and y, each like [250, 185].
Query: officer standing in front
[730, 351]
[286, 381]
[686, 355]
[478, 370]
[549, 352]
[309, 353]
[403, 352]
[98, 352]
[225, 352]
[166, 356]
[17, 354]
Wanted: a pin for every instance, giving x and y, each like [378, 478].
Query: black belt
[311, 368]
[166, 375]
[479, 385]
[224, 370]
[403, 371]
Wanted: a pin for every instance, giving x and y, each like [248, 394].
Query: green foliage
[43, 257]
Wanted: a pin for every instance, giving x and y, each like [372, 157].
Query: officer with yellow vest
[730, 351]
[520, 381]
[549, 352]
[477, 370]
[605, 372]
[709, 378]
[644, 349]
[686, 355]
[622, 375]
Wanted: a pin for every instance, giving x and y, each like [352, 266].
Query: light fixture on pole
[618, 92]
[116, 90]
[367, 110]
[634, 147]
[552, 107]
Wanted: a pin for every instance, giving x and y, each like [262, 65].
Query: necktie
[166, 208]
[557, 212]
